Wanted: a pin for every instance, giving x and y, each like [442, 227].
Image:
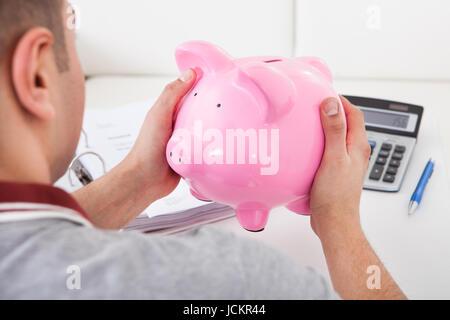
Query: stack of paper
[179, 211]
[180, 221]
[111, 134]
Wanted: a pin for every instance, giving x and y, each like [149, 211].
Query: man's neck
[23, 156]
[22, 159]
[23, 178]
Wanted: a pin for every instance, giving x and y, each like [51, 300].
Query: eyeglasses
[78, 167]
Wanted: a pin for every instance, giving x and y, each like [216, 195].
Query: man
[50, 245]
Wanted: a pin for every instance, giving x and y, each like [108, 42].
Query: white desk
[415, 249]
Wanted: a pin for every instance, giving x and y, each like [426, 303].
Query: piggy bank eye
[195, 94]
[219, 105]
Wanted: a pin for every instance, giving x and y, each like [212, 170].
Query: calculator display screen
[385, 119]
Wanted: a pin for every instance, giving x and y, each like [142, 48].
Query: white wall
[377, 38]
[140, 36]
[381, 39]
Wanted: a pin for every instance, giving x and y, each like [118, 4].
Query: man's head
[41, 86]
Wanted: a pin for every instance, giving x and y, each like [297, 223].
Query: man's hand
[335, 198]
[144, 176]
[338, 184]
[148, 156]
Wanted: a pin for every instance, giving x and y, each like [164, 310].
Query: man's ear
[31, 69]
[203, 57]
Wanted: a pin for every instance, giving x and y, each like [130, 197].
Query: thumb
[175, 91]
[334, 127]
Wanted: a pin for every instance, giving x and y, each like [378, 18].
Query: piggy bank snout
[178, 157]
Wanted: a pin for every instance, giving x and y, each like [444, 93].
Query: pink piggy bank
[249, 133]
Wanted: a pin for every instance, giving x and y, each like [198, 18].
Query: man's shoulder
[202, 263]
[40, 253]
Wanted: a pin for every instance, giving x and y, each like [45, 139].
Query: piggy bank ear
[319, 64]
[202, 56]
[278, 89]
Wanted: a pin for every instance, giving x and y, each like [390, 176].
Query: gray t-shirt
[59, 259]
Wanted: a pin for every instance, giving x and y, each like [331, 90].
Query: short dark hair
[18, 16]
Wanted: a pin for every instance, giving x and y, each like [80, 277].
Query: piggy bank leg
[300, 206]
[252, 216]
[198, 196]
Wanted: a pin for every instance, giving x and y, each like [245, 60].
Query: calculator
[392, 129]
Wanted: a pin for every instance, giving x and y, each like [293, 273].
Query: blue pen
[417, 195]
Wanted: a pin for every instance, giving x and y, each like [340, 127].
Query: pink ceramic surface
[274, 99]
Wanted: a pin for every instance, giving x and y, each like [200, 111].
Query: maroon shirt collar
[38, 193]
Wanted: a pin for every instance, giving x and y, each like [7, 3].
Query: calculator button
[400, 149]
[394, 163]
[397, 156]
[388, 178]
[381, 161]
[376, 172]
[392, 170]
[386, 146]
[384, 154]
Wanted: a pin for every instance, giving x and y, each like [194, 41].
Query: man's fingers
[334, 127]
[175, 91]
[356, 134]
